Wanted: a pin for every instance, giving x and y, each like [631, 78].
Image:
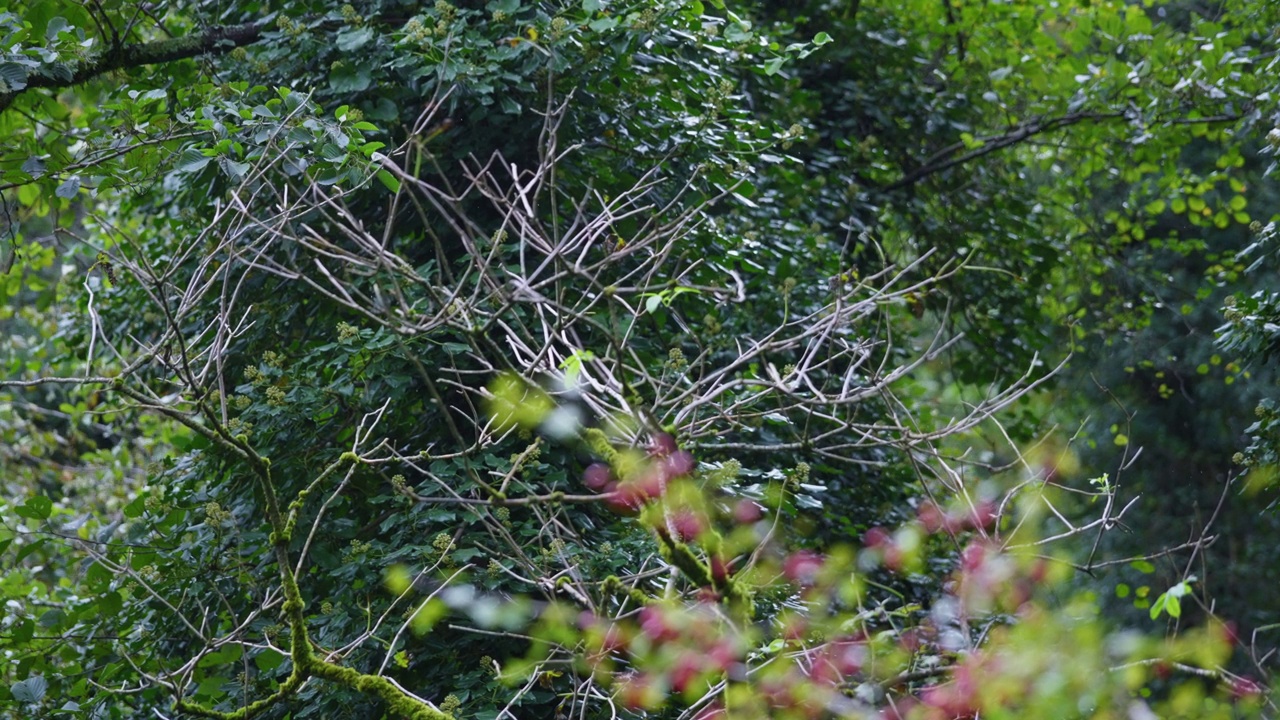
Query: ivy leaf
[135, 509]
[268, 660]
[349, 40]
[346, 78]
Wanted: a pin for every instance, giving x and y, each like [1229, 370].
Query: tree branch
[214, 40]
[946, 158]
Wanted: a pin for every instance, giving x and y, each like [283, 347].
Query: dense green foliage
[657, 359]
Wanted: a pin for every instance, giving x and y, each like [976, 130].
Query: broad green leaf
[427, 615]
[56, 26]
[36, 508]
[31, 690]
[348, 78]
[33, 166]
[192, 160]
[353, 39]
[268, 660]
[13, 77]
[69, 187]
[135, 508]
[391, 182]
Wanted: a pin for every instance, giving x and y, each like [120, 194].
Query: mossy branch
[305, 663]
[683, 558]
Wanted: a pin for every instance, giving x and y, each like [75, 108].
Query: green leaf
[56, 26]
[23, 630]
[192, 160]
[37, 508]
[69, 187]
[821, 39]
[354, 39]
[29, 548]
[1170, 601]
[34, 167]
[1158, 606]
[428, 614]
[224, 655]
[389, 180]
[604, 24]
[13, 77]
[111, 603]
[30, 690]
[268, 660]
[135, 508]
[292, 100]
[347, 78]
[211, 687]
[234, 170]
[572, 365]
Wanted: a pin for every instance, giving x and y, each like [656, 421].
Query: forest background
[679, 359]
